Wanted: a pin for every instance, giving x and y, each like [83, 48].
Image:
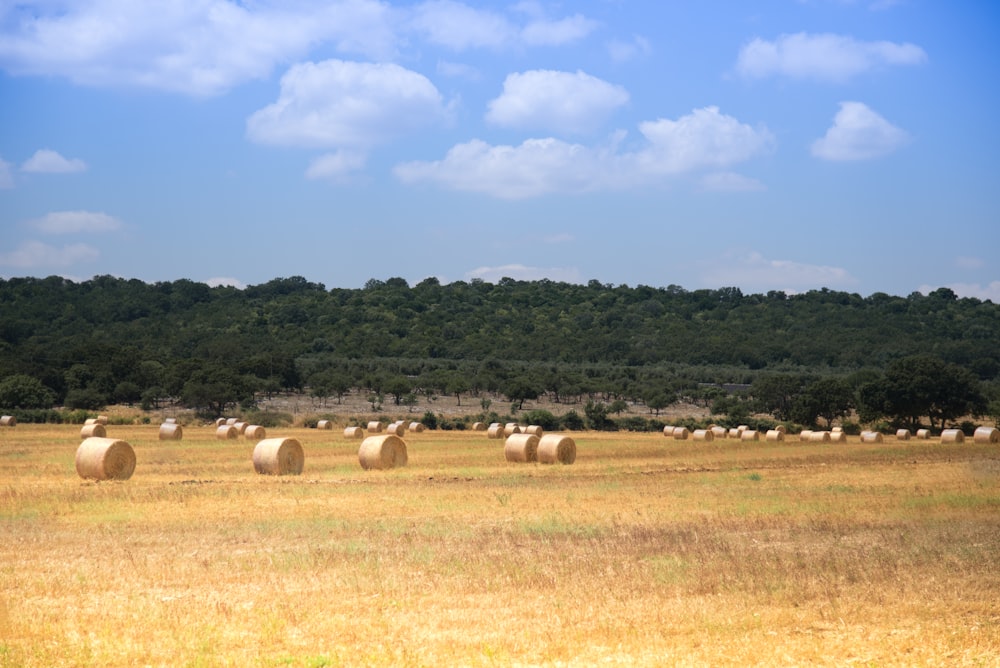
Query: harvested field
[646, 551]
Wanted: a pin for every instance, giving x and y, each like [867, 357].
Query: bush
[572, 421]
[543, 419]
[429, 420]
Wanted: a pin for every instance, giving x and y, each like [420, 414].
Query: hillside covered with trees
[808, 357]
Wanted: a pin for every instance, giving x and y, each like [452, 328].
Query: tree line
[810, 357]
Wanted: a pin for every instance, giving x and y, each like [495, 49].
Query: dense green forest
[86, 344]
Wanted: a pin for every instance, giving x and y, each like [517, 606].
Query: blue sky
[775, 145]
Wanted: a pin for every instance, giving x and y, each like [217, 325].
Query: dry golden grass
[646, 552]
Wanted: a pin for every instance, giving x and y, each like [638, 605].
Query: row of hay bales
[524, 447]
[497, 430]
[398, 429]
[836, 435]
[713, 432]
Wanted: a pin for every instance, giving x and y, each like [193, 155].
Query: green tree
[775, 394]
[827, 398]
[23, 391]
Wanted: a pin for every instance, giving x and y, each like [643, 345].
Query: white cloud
[75, 222]
[35, 254]
[730, 182]
[858, 133]
[6, 178]
[336, 103]
[703, 139]
[46, 161]
[622, 52]
[558, 101]
[225, 280]
[751, 271]
[990, 291]
[521, 272]
[459, 27]
[544, 32]
[335, 166]
[197, 47]
[824, 56]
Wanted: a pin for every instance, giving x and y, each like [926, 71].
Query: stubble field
[644, 552]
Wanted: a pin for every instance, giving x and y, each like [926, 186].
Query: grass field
[645, 552]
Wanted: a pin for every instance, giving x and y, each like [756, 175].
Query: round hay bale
[749, 435]
[902, 434]
[719, 432]
[495, 431]
[102, 419]
[871, 437]
[952, 436]
[782, 428]
[171, 431]
[226, 431]
[986, 435]
[89, 421]
[553, 448]
[375, 427]
[278, 456]
[733, 433]
[354, 432]
[255, 432]
[703, 435]
[395, 429]
[220, 421]
[8, 421]
[923, 434]
[681, 433]
[232, 420]
[819, 437]
[170, 420]
[804, 435]
[100, 458]
[417, 427]
[521, 448]
[668, 431]
[837, 429]
[382, 452]
[534, 429]
[241, 426]
[93, 429]
[838, 437]
[324, 424]
[742, 428]
[478, 426]
[774, 435]
[511, 428]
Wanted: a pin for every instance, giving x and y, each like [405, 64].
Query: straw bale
[417, 427]
[478, 426]
[534, 429]
[382, 452]
[668, 431]
[837, 429]
[511, 428]
[232, 420]
[986, 435]
[100, 458]
[782, 428]
[89, 421]
[902, 434]
[734, 433]
[774, 435]
[819, 437]
[93, 429]
[553, 448]
[952, 436]
[741, 428]
[681, 433]
[241, 426]
[220, 421]
[923, 434]
[8, 421]
[804, 435]
[102, 419]
[703, 435]
[375, 427]
[838, 437]
[395, 429]
[495, 431]
[170, 420]
[719, 432]
[255, 432]
[278, 456]
[521, 448]
[354, 432]
[871, 437]
[749, 435]
[171, 431]
[226, 432]
[324, 424]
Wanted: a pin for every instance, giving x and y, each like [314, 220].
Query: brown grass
[646, 552]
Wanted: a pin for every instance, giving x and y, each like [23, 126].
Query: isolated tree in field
[23, 391]
[828, 398]
[775, 394]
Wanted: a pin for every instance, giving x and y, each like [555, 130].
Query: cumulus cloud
[197, 47]
[858, 133]
[824, 56]
[459, 27]
[703, 139]
[337, 165]
[754, 272]
[6, 178]
[75, 222]
[521, 272]
[552, 100]
[46, 161]
[545, 32]
[336, 103]
[35, 254]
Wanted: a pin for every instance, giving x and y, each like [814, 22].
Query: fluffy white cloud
[459, 27]
[520, 272]
[703, 139]
[824, 56]
[555, 101]
[35, 254]
[858, 133]
[75, 222]
[198, 47]
[46, 161]
[6, 178]
[753, 272]
[544, 32]
[337, 165]
[336, 103]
